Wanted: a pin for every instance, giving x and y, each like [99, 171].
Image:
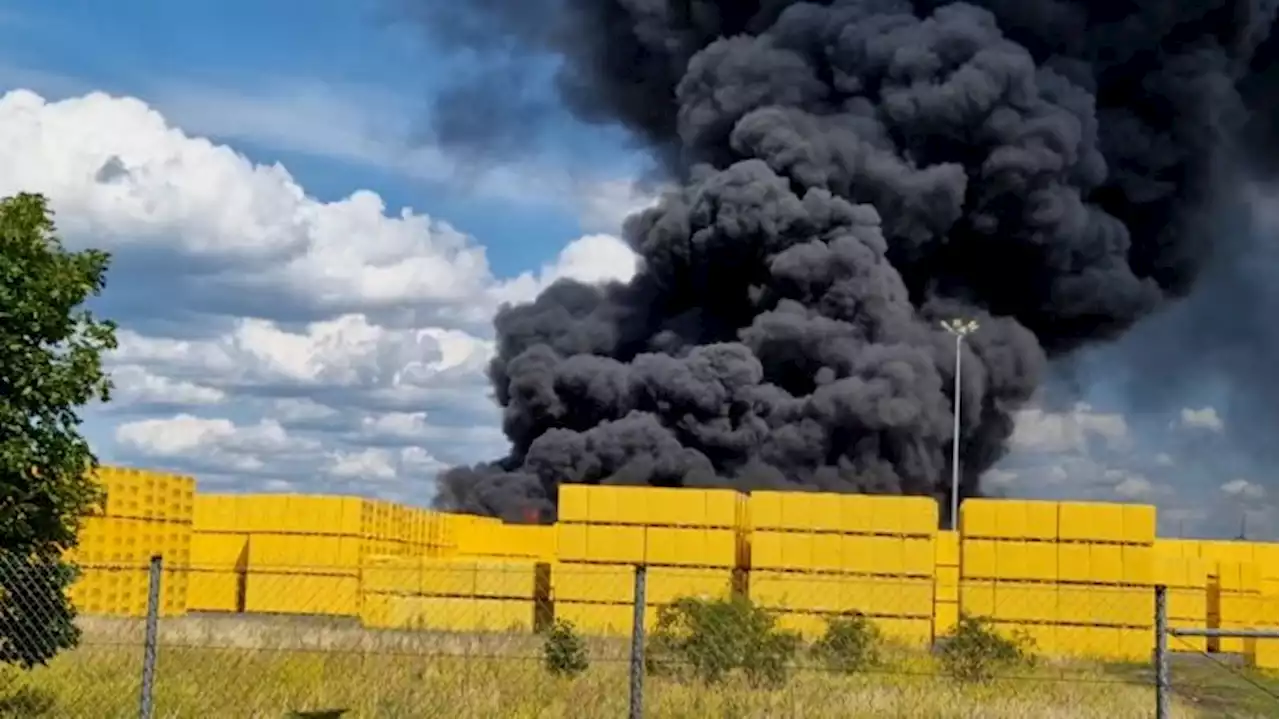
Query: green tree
[51, 351]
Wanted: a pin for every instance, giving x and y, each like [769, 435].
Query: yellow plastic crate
[610, 620]
[1106, 564]
[381, 574]
[676, 507]
[695, 547]
[945, 616]
[1074, 563]
[947, 548]
[512, 540]
[876, 596]
[130, 541]
[1091, 522]
[918, 557]
[1080, 604]
[111, 591]
[946, 586]
[978, 559]
[978, 519]
[281, 593]
[619, 544]
[323, 514]
[797, 591]
[593, 583]
[263, 513]
[780, 550]
[1041, 561]
[215, 591]
[874, 555]
[1138, 565]
[1263, 653]
[1011, 559]
[219, 551]
[1025, 602]
[307, 554]
[1139, 524]
[144, 494]
[509, 579]
[608, 504]
[827, 552]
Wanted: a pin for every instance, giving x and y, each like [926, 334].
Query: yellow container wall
[1075, 576]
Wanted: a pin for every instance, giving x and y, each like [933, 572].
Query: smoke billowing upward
[851, 173]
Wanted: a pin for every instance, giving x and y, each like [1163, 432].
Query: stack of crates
[288, 554]
[1265, 653]
[219, 555]
[1185, 575]
[146, 513]
[1077, 577]
[1242, 588]
[493, 538]
[816, 555]
[946, 584]
[455, 595]
[689, 539]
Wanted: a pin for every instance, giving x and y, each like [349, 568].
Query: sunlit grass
[239, 670]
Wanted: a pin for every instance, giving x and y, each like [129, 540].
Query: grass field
[246, 668]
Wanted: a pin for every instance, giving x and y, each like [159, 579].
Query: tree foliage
[51, 349]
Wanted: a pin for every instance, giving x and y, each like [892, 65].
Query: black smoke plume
[851, 173]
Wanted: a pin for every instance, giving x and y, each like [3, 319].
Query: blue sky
[290, 329]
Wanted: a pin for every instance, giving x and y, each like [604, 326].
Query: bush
[563, 651]
[710, 638]
[850, 644]
[974, 652]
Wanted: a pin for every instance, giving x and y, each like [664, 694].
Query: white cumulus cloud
[1203, 418]
[268, 336]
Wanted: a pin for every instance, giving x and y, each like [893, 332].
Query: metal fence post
[1162, 653]
[637, 646]
[146, 705]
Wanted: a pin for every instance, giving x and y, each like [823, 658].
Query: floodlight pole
[959, 329]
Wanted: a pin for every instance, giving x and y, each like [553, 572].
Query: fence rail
[661, 643]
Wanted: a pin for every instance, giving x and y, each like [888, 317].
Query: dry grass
[239, 668]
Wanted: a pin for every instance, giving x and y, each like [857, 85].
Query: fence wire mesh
[1219, 683]
[497, 639]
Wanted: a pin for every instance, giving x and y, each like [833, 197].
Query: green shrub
[564, 653]
[850, 644]
[710, 638]
[974, 652]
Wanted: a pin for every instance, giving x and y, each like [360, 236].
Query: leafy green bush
[974, 652]
[710, 638]
[850, 644]
[564, 653]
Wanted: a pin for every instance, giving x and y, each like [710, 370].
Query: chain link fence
[607, 642]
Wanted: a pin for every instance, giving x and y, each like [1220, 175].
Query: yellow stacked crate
[688, 538]
[460, 595]
[1239, 601]
[1186, 579]
[1241, 590]
[146, 513]
[497, 539]
[1265, 653]
[304, 551]
[815, 555]
[946, 584]
[1075, 576]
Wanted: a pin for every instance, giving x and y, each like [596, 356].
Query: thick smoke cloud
[852, 173]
